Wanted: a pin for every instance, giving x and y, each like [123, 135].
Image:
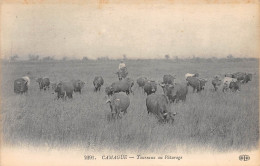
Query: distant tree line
[193, 59]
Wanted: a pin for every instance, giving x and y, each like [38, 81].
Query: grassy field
[212, 120]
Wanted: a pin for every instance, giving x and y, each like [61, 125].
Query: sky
[137, 31]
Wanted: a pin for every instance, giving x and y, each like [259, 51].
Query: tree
[167, 57]
[14, 58]
[230, 56]
[85, 58]
[33, 57]
[48, 58]
[64, 58]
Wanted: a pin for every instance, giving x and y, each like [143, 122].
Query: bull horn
[108, 101]
[161, 84]
[170, 86]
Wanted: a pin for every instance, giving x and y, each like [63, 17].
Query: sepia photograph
[113, 82]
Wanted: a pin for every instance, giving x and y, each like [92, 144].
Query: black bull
[20, 86]
[175, 92]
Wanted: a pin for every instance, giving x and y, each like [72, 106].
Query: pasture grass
[212, 120]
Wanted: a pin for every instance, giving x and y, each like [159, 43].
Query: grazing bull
[196, 83]
[248, 77]
[239, 76]
[150, 87]
[64, 90]
[234, 86]
[216, 82]
[119, 102]
[191, 75]
[77, 85]
[159, 105]
[43, 83]
[175, 92]
[120, 86]
[203, 82]
[141, 81]
[242, 77]
[226, 83]
[20, 86]
[168, 79]
[98, 82]
[109, 90]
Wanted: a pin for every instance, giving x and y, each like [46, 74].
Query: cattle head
[235, 86]
[115, 107]
[170, 117]
[20, 86]
[58, 87]
[53, 85]
[248, 77]
[80, 83]
[109, 90]
[203, 83]
[166, 88]
[39, 80]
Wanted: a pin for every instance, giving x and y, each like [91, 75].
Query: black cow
[159, 105]
[196, 83]
[77, 85]
[150, 87]
[98, 82]
[175, 92]
[64, 90]
[216, 82]
[44, 83]
[168, 79]
[141, 81]
[20, 86]
[120, 86]
[119, 102]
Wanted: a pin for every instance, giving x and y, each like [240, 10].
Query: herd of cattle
[157, 104]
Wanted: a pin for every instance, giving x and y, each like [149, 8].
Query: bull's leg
[184, 98]
[113, 115]
[125, 111]
[118, 115]
[69, 95]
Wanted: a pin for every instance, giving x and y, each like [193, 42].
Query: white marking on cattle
[27, 79]
[189, 75]
[228, 80]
